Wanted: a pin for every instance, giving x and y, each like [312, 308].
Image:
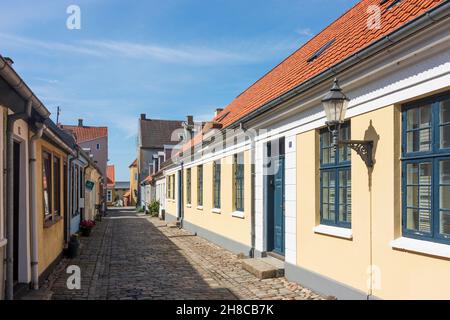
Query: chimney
[80, 122]
[218, 111]
[143, 116]
[190, 120]
[9, 61]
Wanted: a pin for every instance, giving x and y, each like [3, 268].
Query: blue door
[278, 207]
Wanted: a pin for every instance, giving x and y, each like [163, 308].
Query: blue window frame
[426, 169]
[216, 178]
[200, 185]
[188, 186]
[335, 180]
[239, 182]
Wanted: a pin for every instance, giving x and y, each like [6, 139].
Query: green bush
[154, 208]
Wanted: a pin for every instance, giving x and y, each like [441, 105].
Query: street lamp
[335, 105]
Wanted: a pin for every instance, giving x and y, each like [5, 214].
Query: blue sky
[165, 58]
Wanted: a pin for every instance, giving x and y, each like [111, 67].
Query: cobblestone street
[129, 256]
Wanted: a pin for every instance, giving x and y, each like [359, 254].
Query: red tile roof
[111, 176]
[351, 35]
[84, 133]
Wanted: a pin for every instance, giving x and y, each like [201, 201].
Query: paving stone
[140, 258]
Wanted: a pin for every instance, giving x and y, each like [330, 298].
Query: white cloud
[305, 32]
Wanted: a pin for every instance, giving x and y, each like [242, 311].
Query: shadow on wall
[371, 134]
[137, 261]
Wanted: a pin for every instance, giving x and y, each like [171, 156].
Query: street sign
[90, 185]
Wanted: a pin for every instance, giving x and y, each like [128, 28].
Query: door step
[20, 290]
[264, 268]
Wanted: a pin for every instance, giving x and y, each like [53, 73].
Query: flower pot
[73, 247]
[85, 232]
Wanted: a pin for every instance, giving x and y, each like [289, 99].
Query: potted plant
[86, 227]
[73, 247]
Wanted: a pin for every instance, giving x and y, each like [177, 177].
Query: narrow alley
[130, 256]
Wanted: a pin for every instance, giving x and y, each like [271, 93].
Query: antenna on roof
[58, 111]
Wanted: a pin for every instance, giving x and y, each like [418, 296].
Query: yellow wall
[171, 204]
[224, 224]
[402, 275]
[92, 197]
[133, 185]
[50, 239]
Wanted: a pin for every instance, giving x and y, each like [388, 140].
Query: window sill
[188, 206]
[51, 222]
[334, 231]
[3, 242]
[238, 214]
[421, 246]
[200, 208]
[216, 210]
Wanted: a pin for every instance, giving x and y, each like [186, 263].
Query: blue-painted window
[426, 169]
[335, 180]
[216, 178]
[200, 185]
[188, 186]
[239, 182]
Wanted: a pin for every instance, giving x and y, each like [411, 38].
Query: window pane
[444, 195]
[419, 141]
[445, 112]
[425, 116]
[445, 137]
[325, 212]
[326, 156]
[425, 221]
[47, 183]
[57, 184]
[419, 220]
[412, 197]
[444, 223]
[325, 195]
[425, 197]
[425, 173]
[325, 179]
[413, 119]
[412, 170]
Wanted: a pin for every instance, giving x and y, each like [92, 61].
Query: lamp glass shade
[335, 104]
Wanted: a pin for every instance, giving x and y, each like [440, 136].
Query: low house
[352, 199]
[156, 139]
[110, 183]
[134, 183]
[120, 190]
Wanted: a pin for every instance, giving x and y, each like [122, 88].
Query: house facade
[35, 191]
[270, 181]
[156, 139]
[110, 183]
[134, 183]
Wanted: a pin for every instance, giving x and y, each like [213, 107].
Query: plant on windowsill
[86, 227]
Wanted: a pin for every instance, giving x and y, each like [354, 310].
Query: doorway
[275, 191]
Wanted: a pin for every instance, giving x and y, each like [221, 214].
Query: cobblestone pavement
[130, 257]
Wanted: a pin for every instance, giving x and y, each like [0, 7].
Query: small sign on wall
[81, 202]
[90, 185]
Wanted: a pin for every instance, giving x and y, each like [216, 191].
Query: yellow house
[93, 196]
[134, 183]
[357, 208]
[51, 178]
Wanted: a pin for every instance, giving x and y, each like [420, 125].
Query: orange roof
[134, 164]
[111, 175]
[350, 34]
[83, 133]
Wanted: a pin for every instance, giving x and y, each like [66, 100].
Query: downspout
[253, 201]
[33, 212]
[11, 119]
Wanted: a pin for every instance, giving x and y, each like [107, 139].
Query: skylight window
[223, 117]
[319, 52]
